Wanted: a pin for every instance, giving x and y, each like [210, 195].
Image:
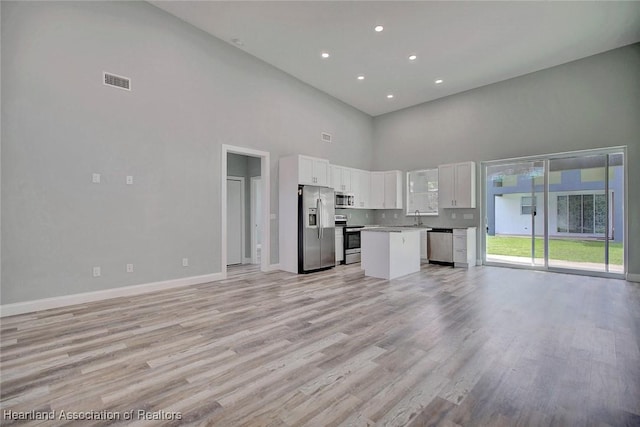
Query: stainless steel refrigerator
[316, 228]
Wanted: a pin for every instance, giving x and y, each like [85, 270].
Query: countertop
[396, 229]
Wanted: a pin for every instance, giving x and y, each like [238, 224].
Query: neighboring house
[577, 204]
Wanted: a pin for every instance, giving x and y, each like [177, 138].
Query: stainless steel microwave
[345, 200]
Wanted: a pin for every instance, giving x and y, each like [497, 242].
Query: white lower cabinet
[464, 247]
[423, 245]
[339, 245]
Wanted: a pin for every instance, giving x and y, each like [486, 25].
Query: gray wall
[191, 93]
[586, 104]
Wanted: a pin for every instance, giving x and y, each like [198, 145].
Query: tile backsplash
[448, 218]
[358, 216]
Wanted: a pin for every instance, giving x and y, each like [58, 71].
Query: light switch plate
[95, 178]
[129, 179]
[185, 262]
[96, 272]
[129, 268]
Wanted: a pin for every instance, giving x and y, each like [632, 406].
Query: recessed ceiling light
[237, 42]
[325, 55]
[439, 81]
[390, 96]
[413, 57]
[378, 28]
[360, 77]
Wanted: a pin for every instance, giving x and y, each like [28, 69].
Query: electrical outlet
[185, 262]
[96, 272]
[349, 216]
[129, 180]
[95, 178]
[384, 215]
[467, 216]
[395, 215]
[453, 215]
[366, 215]
[129, 268]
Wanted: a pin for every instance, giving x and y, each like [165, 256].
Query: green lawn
[559, 249]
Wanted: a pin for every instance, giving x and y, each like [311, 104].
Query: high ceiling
[465, 44]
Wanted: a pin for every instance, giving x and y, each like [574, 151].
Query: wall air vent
[326, 137]
[116, 81]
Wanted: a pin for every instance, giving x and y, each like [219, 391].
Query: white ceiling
[467, 44]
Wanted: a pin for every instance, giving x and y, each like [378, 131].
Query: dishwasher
[440, 246]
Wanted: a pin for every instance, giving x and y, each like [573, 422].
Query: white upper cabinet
[354, 181]
[371, 190]
[361, 188]
[313, 171]
[377, 190]
[457, 185]
[342, 178]
[386, 190]
[446, 185]
[336, 177]
[393, 190]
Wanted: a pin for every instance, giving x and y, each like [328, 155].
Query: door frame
[255, 183]
[547, 158]
[265, 173]
[243, 215]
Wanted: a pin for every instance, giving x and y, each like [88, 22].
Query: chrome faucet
[418, 220]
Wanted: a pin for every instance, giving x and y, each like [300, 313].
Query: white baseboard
[633, 277]
[246, 260]
[66, 300]
[478, 262]
[273, 267]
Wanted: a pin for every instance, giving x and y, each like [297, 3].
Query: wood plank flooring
[443, 347]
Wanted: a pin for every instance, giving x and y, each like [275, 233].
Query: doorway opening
[236, 220]
[562, 212]
[245, 224]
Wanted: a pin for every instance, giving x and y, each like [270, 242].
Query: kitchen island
[390, 252]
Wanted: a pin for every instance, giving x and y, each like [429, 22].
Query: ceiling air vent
[117, 81]
[326, 137]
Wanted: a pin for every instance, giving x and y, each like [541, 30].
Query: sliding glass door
[515, 220]
[557, 212]
[585, 199]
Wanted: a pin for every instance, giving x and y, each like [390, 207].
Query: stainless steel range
[352, 243]
[351, 234]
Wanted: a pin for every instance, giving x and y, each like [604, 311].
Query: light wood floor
[446, 347]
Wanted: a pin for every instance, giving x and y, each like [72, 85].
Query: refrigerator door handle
[318, 216]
